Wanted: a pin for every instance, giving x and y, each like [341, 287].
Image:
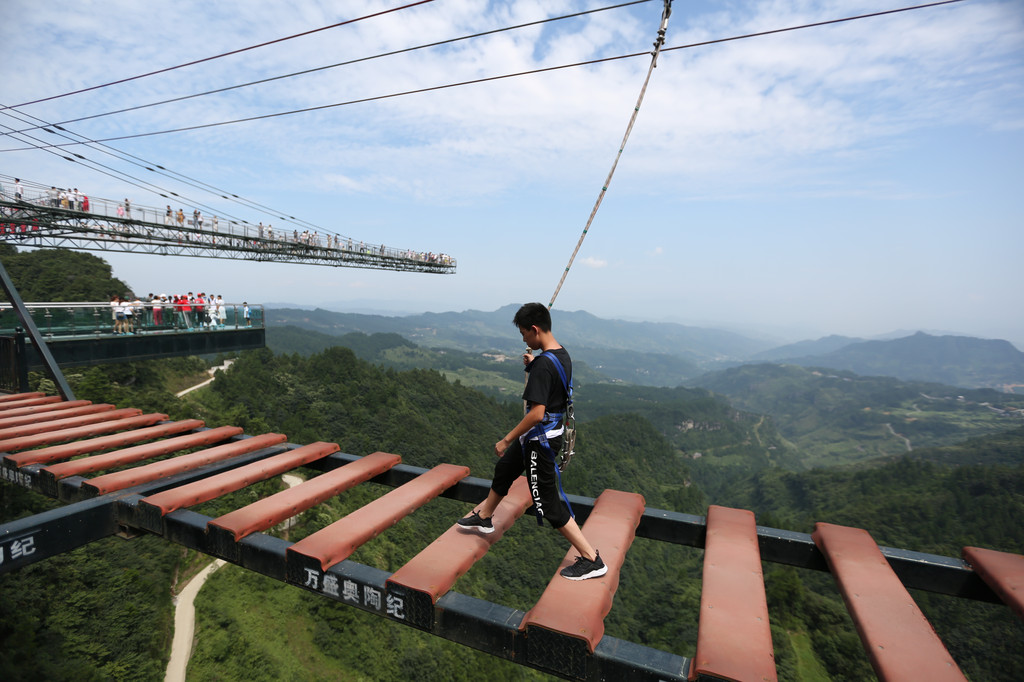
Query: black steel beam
[482, 625]
[92, 350]
[46, 359]
[54, 532]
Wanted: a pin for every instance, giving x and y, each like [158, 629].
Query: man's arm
[533, 417]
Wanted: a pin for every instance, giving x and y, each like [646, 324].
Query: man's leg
[487, 507]
[572, 532]
[506, 470]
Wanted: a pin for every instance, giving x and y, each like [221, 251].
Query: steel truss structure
[41, 226]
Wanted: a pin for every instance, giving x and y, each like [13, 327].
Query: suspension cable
[349, 62]
[218, 56]
[139, 162]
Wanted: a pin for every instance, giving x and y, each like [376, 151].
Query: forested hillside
[835, 418]
[427, 419]
[924, 467]
[60, 275]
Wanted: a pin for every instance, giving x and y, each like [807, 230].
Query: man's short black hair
[531, 314]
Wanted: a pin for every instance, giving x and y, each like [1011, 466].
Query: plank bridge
[119, 471]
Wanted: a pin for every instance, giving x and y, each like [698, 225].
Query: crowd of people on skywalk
[179, 229]
[132, 314]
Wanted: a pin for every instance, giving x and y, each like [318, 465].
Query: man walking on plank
[533, 444]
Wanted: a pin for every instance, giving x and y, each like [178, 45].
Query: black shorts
[541, 475]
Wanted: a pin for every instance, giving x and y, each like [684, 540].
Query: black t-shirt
[544, 385]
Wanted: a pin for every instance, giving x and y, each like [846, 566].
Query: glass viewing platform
[67, 320]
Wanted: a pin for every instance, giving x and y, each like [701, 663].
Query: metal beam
[30, 326]
[88, 351]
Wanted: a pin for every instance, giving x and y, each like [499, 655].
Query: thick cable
[632, 120]
[629, 128]
[476, 81]
[218, 56]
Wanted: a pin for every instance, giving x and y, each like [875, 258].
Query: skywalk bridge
[43, 221]
[119, 471]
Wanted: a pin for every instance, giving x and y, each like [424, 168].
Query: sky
[855, 178]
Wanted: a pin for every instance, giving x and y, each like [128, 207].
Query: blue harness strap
[551, 420]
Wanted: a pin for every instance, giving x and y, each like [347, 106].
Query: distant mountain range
[951, 360]
[668, 354]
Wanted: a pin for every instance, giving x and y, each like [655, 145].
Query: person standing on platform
[18, 190]
[158, 311]
[129, 314]
[186, 310]
[116, 313]
[222, 311]
[532, 444]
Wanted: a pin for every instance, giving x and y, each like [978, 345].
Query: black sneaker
[585, 568]
[474, 522]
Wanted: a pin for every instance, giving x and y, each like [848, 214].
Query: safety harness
[552, 425]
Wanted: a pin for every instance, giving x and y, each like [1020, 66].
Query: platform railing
[56, 320]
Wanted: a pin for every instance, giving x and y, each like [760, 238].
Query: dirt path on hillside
[211, 372]
[185, 624]
[185, 611]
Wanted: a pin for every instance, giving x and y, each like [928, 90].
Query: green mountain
[664, 354]
[474, 330]
[52, 275]
[951, 360]
[834, 417]
[826, 344]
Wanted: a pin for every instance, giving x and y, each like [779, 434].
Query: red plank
[434, 570]
[120, 480]
[39, 409]
[65, 435]
[138, 453]
[67, 420]
[29, 402]
[229, 481]
[734, 639]
[82, 447]
[336, 542]
[577, 608]
[1002, 571]
[269, 512]
[13, 397]
[85, 407]
[899, 640]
